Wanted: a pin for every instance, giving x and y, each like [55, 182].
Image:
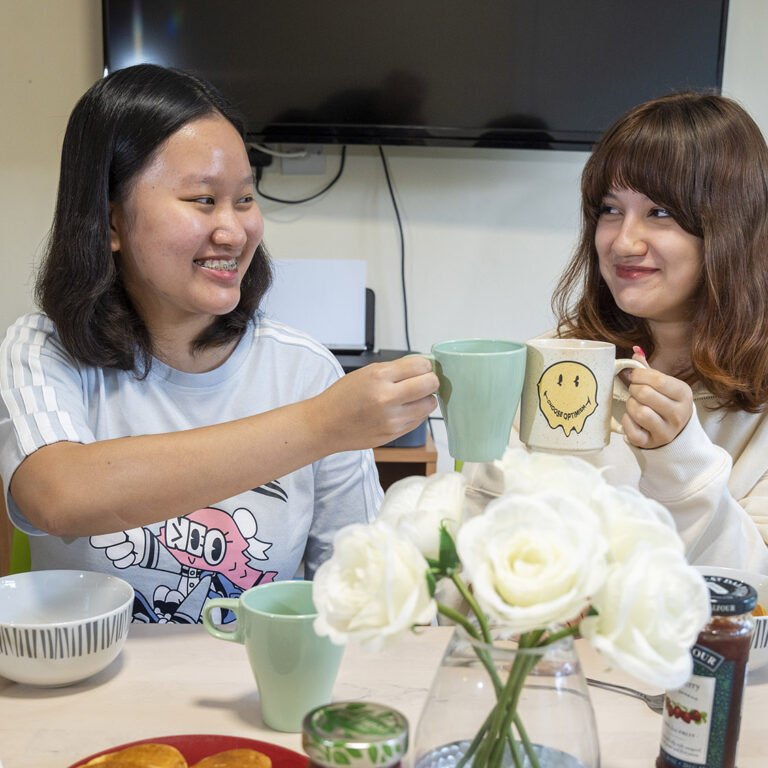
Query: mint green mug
[294, 668]
[480, 385]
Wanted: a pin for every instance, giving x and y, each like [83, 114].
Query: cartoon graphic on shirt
[567, 395]
[209, 552]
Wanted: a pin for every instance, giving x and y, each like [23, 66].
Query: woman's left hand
[658, 408]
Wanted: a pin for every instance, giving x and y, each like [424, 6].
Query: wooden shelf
[395, 463]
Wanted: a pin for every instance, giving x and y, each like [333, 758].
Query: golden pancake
[142, 756]
[235, 758]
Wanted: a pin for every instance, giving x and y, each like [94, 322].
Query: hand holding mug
[658, 409]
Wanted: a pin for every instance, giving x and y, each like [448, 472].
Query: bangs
[656, 156]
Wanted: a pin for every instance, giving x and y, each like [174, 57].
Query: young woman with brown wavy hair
[672, 268]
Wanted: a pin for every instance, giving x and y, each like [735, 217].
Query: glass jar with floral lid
[356, 734]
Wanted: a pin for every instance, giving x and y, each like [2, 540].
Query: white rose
[372, 588]
[533, 560]
[417, 506]
[628, 518]
[650, 611]
[531, 471]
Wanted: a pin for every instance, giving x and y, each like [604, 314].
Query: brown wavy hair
[114, 131]
[703, 158]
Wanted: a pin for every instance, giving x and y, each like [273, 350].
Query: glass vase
[543, 692]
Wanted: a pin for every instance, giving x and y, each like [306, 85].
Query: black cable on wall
[402, 247]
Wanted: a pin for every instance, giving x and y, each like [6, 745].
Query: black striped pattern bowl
[59, 627]
[758, 653]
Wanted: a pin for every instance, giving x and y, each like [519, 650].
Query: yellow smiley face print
[567, 395]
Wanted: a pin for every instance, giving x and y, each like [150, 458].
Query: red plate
[195, 747]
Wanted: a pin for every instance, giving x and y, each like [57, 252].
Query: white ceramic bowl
[758, 654]
[58, 627]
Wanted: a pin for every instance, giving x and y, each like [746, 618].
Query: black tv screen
[494, 73]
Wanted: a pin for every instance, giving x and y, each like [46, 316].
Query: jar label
[695, 716]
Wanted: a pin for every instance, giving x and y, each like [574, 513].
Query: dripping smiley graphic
[567, 395]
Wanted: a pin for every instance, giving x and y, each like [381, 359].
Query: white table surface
[174, 679]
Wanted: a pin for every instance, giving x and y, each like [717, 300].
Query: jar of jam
[701, 720]
[355, 734]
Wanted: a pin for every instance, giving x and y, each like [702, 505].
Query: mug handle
[229, 603]
[618, 367]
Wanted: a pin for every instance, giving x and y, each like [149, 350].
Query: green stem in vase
[487, 662]
[467, 595]
[463, 621]
[514, 751]
[495, 733]
[510, 715]
[491, 752]
[526, 741]
[473, 745]
[488, 746]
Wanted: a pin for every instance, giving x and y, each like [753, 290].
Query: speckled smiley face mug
[294, 668]
[568, 394]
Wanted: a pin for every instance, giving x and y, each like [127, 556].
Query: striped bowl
[58, 627]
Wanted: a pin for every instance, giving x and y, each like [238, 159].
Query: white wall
[50, 52]
[486, 231]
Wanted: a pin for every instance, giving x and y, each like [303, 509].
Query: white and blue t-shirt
[255, 537]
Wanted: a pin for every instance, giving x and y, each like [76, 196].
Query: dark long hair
[114, 132]
[704, 159]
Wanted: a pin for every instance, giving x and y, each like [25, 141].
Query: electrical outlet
[311, 164]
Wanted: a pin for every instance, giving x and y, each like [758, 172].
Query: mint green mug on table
[294, 668]
[481, 381]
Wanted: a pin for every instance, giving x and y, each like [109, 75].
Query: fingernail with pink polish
[638, 351]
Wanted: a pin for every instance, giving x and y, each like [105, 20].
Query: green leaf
[355, 752]
[373, 754]
[449, 557]
[387, 750]
[340, 758]
[431, 583]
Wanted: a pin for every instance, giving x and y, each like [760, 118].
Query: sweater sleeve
[690, 477]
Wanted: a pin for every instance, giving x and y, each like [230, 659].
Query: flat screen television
[490, 73]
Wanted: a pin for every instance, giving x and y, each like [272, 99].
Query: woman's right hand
[377, 403]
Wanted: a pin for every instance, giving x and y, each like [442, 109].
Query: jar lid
[354, 733]
[730, 596]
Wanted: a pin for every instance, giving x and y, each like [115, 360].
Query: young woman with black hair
[152, 421]
[672, 268]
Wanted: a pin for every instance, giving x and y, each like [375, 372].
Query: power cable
[402, 247]
[260, 170]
